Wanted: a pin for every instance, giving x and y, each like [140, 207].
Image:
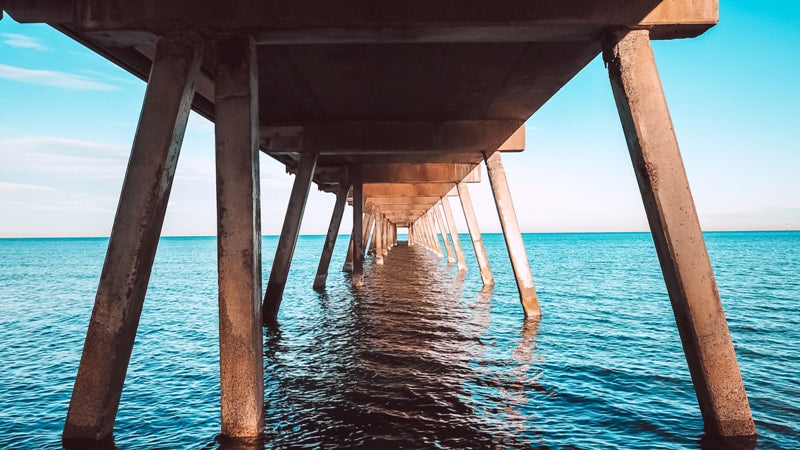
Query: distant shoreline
[403, 234]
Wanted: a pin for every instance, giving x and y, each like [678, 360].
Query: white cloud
[12, 187]
[47, 154]
[53, 78]
[22, 41]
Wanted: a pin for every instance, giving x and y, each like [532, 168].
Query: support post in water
[289, 233]
[357, 276]
[475, 234]
[369, 234]
[239, 238]
[512, 235]
[435, 243]
[330, 238]
[677, 235]
[387, 236]
[377, 237]
[451, 223]
[134, 238]
[439, 218]
[348, 263]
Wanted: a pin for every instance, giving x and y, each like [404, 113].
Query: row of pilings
[137, 226]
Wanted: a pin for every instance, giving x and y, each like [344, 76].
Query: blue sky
[67, 119]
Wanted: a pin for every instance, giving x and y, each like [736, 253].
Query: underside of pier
[392, 107]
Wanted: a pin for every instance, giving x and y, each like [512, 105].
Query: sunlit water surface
[422, 356]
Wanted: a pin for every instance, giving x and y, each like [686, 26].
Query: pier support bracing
[366, 218]
[475, 234]
[134, 238]
[451, 258]
[451, 224]
[330, 238]
[512, 235]
[357, 275]
[677, 235]
[436, 245]
[239, 239]
[378, 238]
[289, 234]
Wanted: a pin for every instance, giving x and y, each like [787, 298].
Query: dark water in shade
[422, 356]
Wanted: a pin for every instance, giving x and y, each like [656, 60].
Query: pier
[395, 109]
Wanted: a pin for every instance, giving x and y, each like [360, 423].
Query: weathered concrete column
[451, 258]
[436, 245]
[512, 234]
[348, 263]
[451, 223]
[410, 234]
[358, 240]
[378, 239]
[475, 234]
[677, 235]
[289, 234]
[422, 232]
[369, 233]
[134, 238]
[387, 233]
[426, 223]
[348, 260]
[239, 238]
[330, 238]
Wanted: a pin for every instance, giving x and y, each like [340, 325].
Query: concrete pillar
[475, 234]
[677, 235]
[421, 232]
[387, 233]
[410, 235]
[330, 238]
[451, 258]
[348, 264]
[451, 223]
[436, 245]
[134, 238]
[377, 238]
[358, 240]
[428, 235]
[512, 234]
[239, 238]
[289, 234]
[369, 233]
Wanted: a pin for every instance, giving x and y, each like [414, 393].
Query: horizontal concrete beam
[390, 202]
[378, 137]
[404, 173]
[407, 190]
[368, 21]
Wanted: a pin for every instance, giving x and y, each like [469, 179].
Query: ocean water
[422, 356]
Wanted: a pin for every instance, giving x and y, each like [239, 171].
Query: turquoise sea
[422, 356]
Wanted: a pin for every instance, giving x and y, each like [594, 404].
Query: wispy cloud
[48, 154]
[13, 187]
[53, 78]
[22, 41]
